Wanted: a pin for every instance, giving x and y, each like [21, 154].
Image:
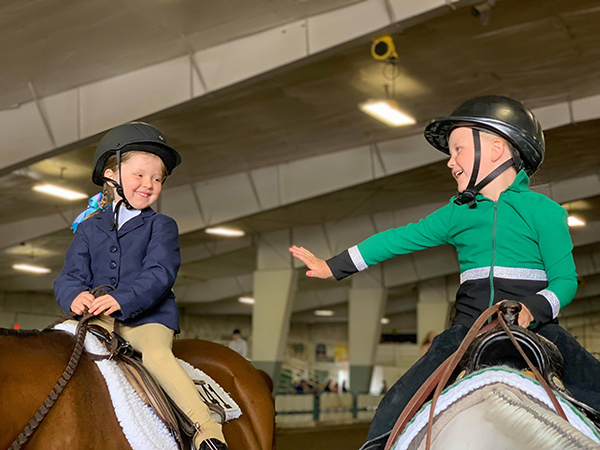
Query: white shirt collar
[125, 214]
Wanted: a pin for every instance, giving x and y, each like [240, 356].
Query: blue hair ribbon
[93, 206]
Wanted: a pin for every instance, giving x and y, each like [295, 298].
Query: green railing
[309, 409]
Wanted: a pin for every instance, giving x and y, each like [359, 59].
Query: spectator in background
[238, 343]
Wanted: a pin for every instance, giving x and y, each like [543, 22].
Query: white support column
[274, 289]
[367, 305]
[433, 307]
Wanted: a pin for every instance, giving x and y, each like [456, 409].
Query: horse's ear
[267, 379]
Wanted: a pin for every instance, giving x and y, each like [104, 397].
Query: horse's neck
[30, 365]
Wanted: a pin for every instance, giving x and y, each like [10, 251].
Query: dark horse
[31, 362]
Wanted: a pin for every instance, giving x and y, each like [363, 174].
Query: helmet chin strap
[468, 195]
[119, 188]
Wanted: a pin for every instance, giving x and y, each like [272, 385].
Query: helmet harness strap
[468, 195]
[119, 188]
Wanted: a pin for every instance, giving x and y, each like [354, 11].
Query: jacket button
[113, 280]
[113, 249]
[112, 264]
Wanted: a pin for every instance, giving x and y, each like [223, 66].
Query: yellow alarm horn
[383, 48]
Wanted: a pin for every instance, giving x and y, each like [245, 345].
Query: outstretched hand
[318, 267]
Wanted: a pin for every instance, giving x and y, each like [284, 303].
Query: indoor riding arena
[300, 224]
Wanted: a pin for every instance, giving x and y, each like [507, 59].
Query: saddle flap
[153, 395]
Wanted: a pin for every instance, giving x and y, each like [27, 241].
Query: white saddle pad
[141, 426]
[479, 380]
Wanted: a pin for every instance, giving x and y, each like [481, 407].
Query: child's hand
[318, 267]
[82, 300]
[525, 316]
[105, 304]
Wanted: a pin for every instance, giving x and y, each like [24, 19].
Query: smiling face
[462, 155]
[142, 176]
[494, 151]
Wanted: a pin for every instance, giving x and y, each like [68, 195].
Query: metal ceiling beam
[215, 289]
[324, 240]
[399, 271]
[82, 113]
[206, 250]
[198, 205]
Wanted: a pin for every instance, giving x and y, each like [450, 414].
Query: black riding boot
[212, 444]
[402, 391]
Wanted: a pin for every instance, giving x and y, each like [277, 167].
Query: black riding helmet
[133, 136]
[498, 115]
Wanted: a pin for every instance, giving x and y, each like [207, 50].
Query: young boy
[512, 244]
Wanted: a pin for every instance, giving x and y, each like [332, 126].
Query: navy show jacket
[140, 260]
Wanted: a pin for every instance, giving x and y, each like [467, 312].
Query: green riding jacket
[515, 248]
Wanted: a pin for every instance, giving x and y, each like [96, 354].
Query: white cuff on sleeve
[553, 300]
[357, 258]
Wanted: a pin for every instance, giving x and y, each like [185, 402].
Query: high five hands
[318, 268]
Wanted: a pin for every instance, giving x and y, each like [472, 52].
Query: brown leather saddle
[494, 348]
[488, 345]
[130, 362]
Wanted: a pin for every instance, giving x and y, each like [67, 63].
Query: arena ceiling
[543, 53]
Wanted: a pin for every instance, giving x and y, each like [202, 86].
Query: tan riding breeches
[154, 341]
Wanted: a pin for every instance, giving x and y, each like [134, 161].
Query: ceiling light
[387, 111]
[31, 268]
[229, 232]
[385, 320]
[575, 222]
[247, 300]
[324, 312]
[60, 192]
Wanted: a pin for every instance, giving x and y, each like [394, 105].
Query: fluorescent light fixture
[387, 111]
[60, 192]
[31, 268]
[229, 232]
[575, 222]
[324, 312]
[385, 320]
[247, 300]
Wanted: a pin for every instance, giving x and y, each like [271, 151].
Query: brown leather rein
[62, 382]
[440, 377]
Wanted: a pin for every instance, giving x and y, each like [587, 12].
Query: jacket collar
[520, 183]
[104, 221]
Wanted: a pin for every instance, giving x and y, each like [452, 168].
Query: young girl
[512, 244]
[126, 245]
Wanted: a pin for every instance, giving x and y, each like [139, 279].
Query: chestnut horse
[31, 363]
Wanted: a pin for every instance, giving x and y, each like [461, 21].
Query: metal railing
[310, 409]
